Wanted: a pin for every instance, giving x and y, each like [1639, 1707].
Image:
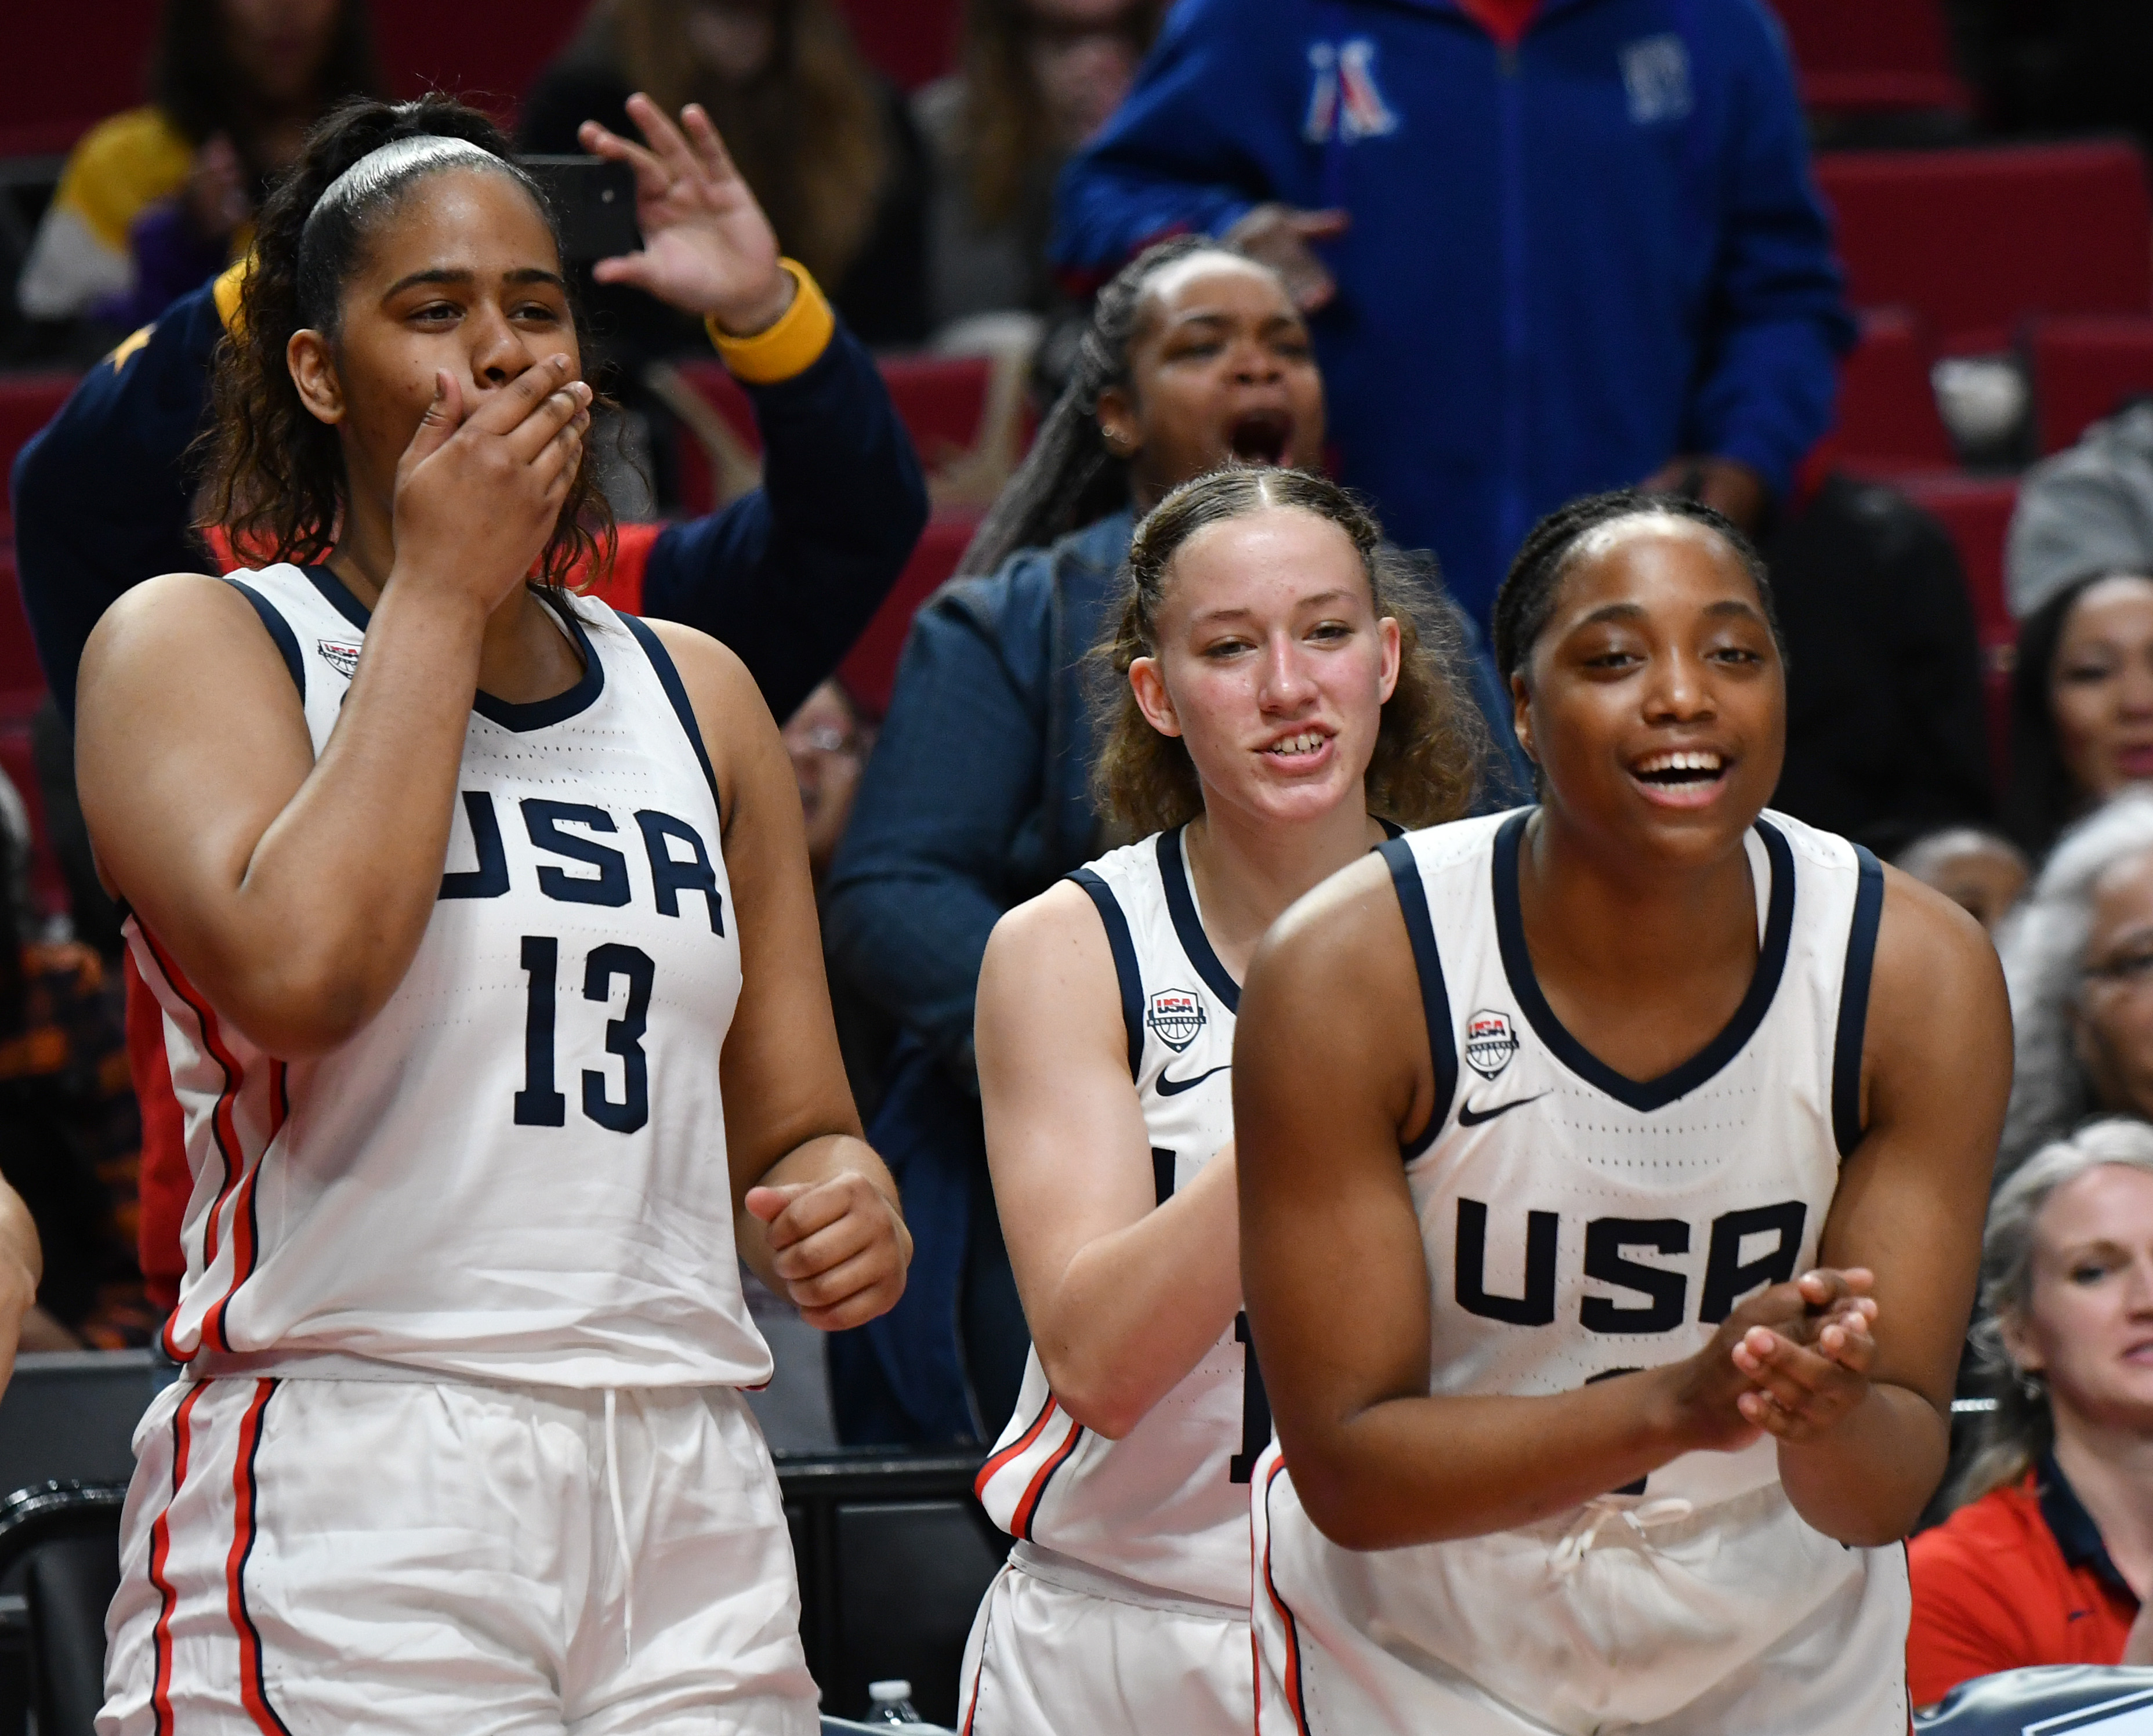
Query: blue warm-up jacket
[1569, 261]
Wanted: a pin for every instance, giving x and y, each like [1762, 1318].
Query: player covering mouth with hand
[1611, 1178]
[1279, 699]
[479, 918]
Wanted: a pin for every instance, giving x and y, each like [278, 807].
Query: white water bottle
[890, 1702]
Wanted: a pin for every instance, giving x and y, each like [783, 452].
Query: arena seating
[1976, 510]
[1976, 240]
[2083, 370]
[1854, 56]
[66, 68]
[870, 670]
[1887, 411]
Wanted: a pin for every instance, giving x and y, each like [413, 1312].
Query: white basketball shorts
[1732, 1620]
[1061, 1649]
[306, 1555]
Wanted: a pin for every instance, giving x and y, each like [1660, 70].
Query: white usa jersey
[1579, 1224]
[1168, 1504]
[516, 1170]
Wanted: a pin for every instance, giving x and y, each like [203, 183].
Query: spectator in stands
[1887, 728]
[1547, 248]
[68, 1134]
[2081, 542]
[1039, 79]
[829, 740]
[103, 498]
[2081, 702]
[2078, 958]
[154, 203]
[978, 796]
[1981, 872]
[824, 143]
[2049, 1558]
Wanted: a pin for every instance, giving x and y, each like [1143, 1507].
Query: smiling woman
[1269, 650]
[1609, 1181]
[459, 1253]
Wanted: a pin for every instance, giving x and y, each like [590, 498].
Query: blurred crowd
[1203, 242]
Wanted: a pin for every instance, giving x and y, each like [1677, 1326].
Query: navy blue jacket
[102, 500]
[1568, 263]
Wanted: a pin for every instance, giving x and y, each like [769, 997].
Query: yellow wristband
[225, 291]
[791, 346]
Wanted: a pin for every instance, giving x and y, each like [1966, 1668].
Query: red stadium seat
[22, 681]
[488, 54]
[1976, 510]
[1976, 240]
[942, 401]
[912, 41]
[1887, 411]
[870, 670]
[28, 401]
[1872, 55]
[2084, 369]
[63, 68]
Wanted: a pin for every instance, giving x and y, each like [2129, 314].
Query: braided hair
[1527, 600]
[1430, 740]
[275, 480]
[1069, 477]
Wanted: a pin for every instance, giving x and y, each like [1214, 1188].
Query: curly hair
[1431, 740]
[2044, 946]
[1069, 477]
[275, 481]
[1526, 602]
[2010, 1440]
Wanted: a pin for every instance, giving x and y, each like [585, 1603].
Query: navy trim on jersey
[1853, 1005]
[1646, 1094]
[1124, 949]
[1391, 827]
[1181, 905]
[539, 714]
[280, 630]
[668, 678]
[1434, 993]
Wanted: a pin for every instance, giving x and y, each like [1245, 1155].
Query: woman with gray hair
[2077, 956]
[2050, 1553]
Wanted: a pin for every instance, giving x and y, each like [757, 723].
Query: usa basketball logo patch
[1490, 1042]
[343, 658]
[1175, 1016]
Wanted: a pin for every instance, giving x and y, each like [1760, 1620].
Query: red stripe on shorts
[253, 1687]
[1016, 1449]
[160, 1551]
[1293, 1698]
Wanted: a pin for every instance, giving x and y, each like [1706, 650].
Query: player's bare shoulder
[1348, 929]
[1056, 938]
[169, 621]
[1938, 1009]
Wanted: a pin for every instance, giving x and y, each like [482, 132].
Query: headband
[384, 167]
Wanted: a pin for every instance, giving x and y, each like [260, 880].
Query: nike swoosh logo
[1174, 1087]
[1468, 1117]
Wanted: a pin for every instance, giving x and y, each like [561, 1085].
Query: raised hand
[1279, 236]
[838, 1245]
[707, 248]
[477, 495]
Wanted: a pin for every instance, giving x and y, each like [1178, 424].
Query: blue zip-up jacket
[1569, 261]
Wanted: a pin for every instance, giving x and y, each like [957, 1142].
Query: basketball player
[1612, 1175]
[480, 921]
[1275, 693]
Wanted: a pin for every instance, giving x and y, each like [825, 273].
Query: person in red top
[2050, 1556]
